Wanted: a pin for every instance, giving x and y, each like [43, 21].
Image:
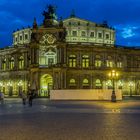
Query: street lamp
[131, 86]
[113, 75]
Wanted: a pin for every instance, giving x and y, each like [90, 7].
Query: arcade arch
[46, 84]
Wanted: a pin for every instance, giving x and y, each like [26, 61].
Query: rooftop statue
[50, 14]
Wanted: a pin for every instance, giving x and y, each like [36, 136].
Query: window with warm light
[85, 61]
[109, 84]
[98, 84]
[12, 63]
[85, 82]
[21, 62]
[119, 64]
[98, 63]
[4, 64]
[120, 84]
[109, 63]
[72, 82]
[72, 61]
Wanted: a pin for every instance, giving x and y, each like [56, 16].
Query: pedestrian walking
[1, 98]
[24, 97]
[30, 97]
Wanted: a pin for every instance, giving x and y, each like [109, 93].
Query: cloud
[128, 32]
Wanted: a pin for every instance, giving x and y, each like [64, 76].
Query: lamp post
[130, 85]
[113, 75]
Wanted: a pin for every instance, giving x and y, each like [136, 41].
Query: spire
[34, 24]
[72, 13]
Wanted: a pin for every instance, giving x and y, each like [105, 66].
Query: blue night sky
[123, 15]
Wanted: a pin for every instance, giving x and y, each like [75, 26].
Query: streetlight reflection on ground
[113, 75]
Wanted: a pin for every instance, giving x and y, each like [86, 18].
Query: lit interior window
[21, 62]
[85, 61]
[12, 63]
[72, 82]
[98, 83]
[85, 82]
[72, 61]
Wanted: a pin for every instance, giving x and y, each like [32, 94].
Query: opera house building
[68, 55]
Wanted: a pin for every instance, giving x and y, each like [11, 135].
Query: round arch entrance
[46, 84]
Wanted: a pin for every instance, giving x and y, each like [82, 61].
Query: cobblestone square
[70, 120]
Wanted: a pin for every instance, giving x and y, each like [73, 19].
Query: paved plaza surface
[70, 120]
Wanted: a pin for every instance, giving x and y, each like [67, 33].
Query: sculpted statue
[50, 14]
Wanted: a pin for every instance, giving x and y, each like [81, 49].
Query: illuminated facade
[69, 54]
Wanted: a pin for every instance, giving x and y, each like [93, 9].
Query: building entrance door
[46, 84]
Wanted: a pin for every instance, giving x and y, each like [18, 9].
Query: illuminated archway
[46, 84]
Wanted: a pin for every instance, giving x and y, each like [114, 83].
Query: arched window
[12, 63]
[72, 82]
[85, 61]
[98, 84]
[109, 84]
[72, 61]
[21, 62]
[4, 64]
[120, 84]
[98, 61]
[109, 62]
[85, 82]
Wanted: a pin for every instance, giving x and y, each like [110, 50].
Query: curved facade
[77, 31]
[72, 54]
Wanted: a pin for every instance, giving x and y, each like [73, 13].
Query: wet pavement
[70, 120]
